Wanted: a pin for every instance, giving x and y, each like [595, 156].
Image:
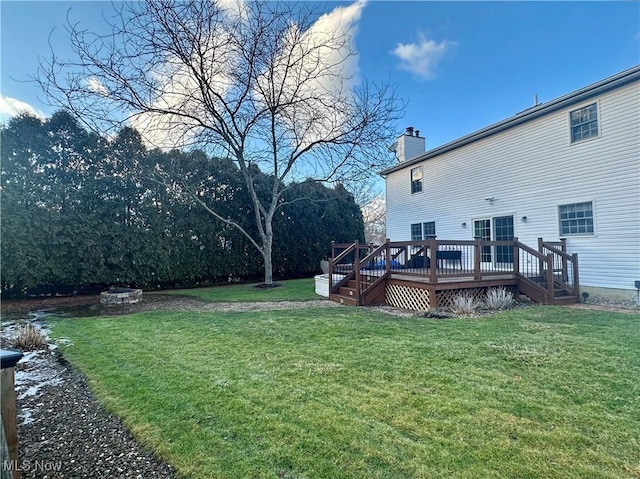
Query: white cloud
[233, 8]
[326, 53]
[96, 85]
[10, 107]
[319, 66]
[423, 57]
[340, 23]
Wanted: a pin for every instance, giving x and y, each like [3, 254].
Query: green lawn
[331, 393]
[289, 290]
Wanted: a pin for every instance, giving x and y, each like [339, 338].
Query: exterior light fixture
[464, 225]
[524, 219]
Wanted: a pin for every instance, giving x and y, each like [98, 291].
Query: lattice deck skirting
[419, 299]
[407, 297]
[447, 296]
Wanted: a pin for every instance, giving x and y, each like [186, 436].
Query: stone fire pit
[119, 296]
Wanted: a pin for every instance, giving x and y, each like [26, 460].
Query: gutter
[616, 81]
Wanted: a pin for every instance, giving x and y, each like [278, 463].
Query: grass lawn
[546, 392]
[289, 290]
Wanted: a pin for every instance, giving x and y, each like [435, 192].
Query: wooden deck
[411, 275]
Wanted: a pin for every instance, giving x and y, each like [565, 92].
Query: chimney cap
[409, 131]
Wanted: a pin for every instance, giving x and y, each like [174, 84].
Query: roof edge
[609, 83]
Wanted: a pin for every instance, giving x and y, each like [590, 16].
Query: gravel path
[65, 434]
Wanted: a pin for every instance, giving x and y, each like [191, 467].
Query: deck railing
[543, 271]
[565, 266]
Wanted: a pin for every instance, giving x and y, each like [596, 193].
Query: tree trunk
[267, 249]
[268, 266]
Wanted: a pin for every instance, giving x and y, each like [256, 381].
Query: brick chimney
[408, 145]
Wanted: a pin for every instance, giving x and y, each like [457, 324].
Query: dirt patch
[604, 307]
[90, 306]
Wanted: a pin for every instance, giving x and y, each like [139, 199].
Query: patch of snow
[34, 373]
[25, 416]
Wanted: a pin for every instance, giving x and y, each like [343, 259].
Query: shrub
[28, 338]
[464, 303]
[498, 298]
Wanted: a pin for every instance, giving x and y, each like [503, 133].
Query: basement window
[584, 123]
[576, 219]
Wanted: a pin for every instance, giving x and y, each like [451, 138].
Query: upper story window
[584, 123]
[576, 219]
[416, 180]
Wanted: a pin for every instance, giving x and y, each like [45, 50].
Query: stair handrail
[566, 258]
[387, 267]
[332, 263]
[376, 251]
[543, 260]
[344, 253]
[548, 260]
[530, 250]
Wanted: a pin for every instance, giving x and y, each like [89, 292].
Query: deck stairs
[562, 294]
[348, 294]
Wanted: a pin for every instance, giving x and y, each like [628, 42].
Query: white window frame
[411, 170]
[598, 122]
[561, 234]
[423, 235]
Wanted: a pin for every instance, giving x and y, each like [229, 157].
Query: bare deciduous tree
[267, 84]
[374, 214]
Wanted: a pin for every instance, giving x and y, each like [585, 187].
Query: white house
[568, 168]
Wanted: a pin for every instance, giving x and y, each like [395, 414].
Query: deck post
[331, 266]
[550, 279]
[433, 266]
[10, 463]
[356, 269]
[516, 256]
[387, 262]
[477, 256]
[540, 261]
[576, 278]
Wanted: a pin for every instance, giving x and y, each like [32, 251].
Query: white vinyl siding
[531, 170]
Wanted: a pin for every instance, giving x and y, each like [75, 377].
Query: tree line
[81, 212]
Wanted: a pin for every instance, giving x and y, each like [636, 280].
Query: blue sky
[460, 66]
